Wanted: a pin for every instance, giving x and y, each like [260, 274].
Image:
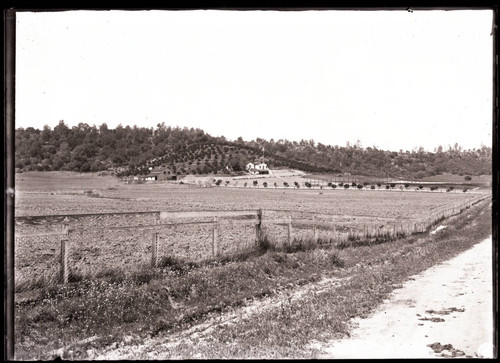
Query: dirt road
[445, 311]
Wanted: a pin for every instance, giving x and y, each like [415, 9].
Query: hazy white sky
[391, 79]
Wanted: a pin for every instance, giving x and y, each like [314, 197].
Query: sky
[390, 79]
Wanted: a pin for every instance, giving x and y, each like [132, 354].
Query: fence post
[258, 226]
[215, 251]
[315, 229]
[289, 230]
[65, 251]
[154, 245]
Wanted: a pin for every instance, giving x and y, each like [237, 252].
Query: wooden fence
[333, 228]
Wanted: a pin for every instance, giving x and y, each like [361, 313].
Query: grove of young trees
[133, 150]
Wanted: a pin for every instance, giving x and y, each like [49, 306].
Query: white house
[260, 168]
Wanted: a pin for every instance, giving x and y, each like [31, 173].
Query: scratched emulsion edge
[9, 140]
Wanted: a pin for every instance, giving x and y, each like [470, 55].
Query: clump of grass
[264, 244]
[335, 259]
[301, 245]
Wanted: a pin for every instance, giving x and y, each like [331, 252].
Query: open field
[71, 193]
[98, 244]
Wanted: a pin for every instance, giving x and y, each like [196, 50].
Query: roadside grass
[101, 314]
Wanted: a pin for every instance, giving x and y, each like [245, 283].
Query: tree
[387, 187]
[265, 184]
[468, 178]
[255, 183]
[285, 184]
[372, 187]
[379, 185]
[360, 186]
[407, 185]
[307, 184]
[393, 185]
[297, 185]
[275, 184]
[353, 184]
[346, 186]
[245, 185]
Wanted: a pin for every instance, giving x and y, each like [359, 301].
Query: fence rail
[222, 224]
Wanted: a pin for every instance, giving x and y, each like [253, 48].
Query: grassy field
[145, 315]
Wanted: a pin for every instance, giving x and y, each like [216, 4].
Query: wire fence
[54, 249]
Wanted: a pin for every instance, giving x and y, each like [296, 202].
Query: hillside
[133, 150]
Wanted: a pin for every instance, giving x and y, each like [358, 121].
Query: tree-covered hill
[132, 150]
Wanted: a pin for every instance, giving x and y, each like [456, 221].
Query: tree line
[131, 150]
